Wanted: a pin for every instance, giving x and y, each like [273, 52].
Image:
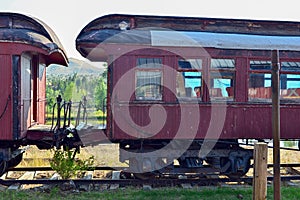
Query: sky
[68, 17]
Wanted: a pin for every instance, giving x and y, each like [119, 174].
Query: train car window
[222, 78]
[148, 79]
[149, 62]
[148, 85]
[260, 65]
[190, 64]
[188, 84]
[189, 79]
[290, 87]
[290, 82]
[290, 66]
[260, 89]
[222, 86]
[222, 63]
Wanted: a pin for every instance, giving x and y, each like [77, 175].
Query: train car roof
[166, 31]
[20, 28]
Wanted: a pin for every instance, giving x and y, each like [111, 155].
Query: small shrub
[67, 166]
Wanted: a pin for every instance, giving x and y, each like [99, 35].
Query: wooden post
[276, 123]
[260, 171]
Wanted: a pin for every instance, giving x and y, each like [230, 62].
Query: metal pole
[276, 123]
[58, 100]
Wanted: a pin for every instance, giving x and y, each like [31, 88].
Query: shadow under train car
[92, 135]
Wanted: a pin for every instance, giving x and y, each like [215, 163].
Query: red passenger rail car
[27, 47]
[184, 89]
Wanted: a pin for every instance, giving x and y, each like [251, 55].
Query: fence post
[260, 171]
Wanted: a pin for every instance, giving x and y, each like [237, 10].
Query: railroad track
[138, 182]
[50, 169]
[122, 168]
[165, 181]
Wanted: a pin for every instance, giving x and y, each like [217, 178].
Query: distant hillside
[75, 66]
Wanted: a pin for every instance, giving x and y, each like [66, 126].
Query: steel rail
[18, 169]
[121, 168]
[134, 182]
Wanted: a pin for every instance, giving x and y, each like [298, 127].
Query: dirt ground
[108, 155]
[104, 155]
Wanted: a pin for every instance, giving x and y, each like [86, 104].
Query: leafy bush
[67, 166]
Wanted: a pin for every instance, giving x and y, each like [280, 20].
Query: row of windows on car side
[222, 79]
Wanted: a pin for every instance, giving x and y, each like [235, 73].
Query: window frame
[199, 70]
[256, 90]
[284, 93]
[148, 69]
[220, 70]
[290, 92]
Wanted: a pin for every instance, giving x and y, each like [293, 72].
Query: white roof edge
[224, 40]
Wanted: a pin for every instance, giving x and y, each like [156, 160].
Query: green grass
[216, 193]
[93, 117]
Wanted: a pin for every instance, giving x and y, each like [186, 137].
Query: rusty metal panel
[239, 122]
[290, 121]
[257, 121]
[148, 121]
[6, 98]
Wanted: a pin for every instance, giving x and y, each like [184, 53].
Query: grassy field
[216, 193]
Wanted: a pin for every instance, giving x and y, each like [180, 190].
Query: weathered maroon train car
[194, 81]
[27, 47]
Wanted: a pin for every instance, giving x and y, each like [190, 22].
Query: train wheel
[142, 170]
[237, 167]
[235, 175]
[145, 176]
[15, 161]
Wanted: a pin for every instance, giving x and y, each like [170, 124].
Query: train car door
[26, 92]
[40, 105]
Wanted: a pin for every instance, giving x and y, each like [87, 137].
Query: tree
[78, 84]
[100, 93]
[69, 91]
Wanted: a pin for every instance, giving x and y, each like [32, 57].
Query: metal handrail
[66, 107]
[104, 107]
[82, 104]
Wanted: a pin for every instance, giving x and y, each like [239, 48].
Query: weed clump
[67, 166]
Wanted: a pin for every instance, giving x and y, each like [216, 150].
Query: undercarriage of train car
[222, 157]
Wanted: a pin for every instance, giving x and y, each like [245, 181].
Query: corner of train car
[18, 28]
[23, 40]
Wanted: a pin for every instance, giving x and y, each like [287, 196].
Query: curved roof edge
[203, 24]
[20, 28]
[122, 29]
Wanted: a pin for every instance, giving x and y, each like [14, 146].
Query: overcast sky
[68, 17]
